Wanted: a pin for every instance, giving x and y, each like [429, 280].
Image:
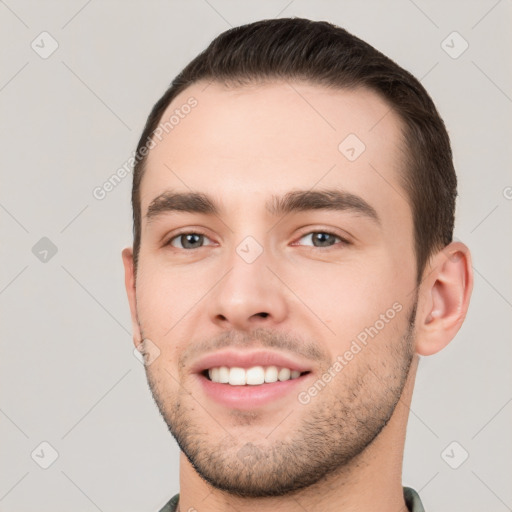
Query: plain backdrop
[78, 79]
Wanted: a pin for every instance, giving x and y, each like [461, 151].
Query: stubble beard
[332, 430]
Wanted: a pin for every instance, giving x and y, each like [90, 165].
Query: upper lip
[231, 358]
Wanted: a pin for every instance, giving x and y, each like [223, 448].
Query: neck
[372, 480]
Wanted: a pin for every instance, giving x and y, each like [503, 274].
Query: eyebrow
[295, 201]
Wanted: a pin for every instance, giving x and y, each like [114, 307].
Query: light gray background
[67, 369]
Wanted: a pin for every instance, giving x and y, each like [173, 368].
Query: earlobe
[444, 298]
[129, 281]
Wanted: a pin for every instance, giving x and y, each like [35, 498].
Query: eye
[193, 240]
[188, 241]
[323, 239]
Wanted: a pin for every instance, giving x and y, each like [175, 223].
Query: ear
[443, 298]
[129, 281]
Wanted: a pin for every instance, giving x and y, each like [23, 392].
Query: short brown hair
[322, 53]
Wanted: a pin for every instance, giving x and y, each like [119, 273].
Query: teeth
[237, 376]
[271, 373]
[223, 375]
[284, 374]
[253, 376]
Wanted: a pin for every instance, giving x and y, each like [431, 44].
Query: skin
[242, 145]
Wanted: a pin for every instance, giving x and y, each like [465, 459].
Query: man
[293, 201]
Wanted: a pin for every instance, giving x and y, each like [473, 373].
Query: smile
[254, 376]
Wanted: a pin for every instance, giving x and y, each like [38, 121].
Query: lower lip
[250, 396]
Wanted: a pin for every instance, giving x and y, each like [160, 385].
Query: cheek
[345, 299]
[161, 299]
[170, 299]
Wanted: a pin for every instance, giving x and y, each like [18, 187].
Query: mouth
[253, 376]
[246, 380]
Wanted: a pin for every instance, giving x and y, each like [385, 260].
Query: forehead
[242, 144]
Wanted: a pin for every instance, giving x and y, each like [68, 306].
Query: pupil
[320, 236]
[190, 239]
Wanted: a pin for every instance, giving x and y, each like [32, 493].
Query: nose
[250, 295]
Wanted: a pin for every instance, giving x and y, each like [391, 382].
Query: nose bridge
[249, 292]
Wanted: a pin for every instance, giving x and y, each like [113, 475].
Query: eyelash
[325, 232]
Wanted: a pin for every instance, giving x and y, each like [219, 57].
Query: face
[300, 258]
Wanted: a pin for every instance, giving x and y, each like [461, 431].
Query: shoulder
[412, 500]
[171, 505]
